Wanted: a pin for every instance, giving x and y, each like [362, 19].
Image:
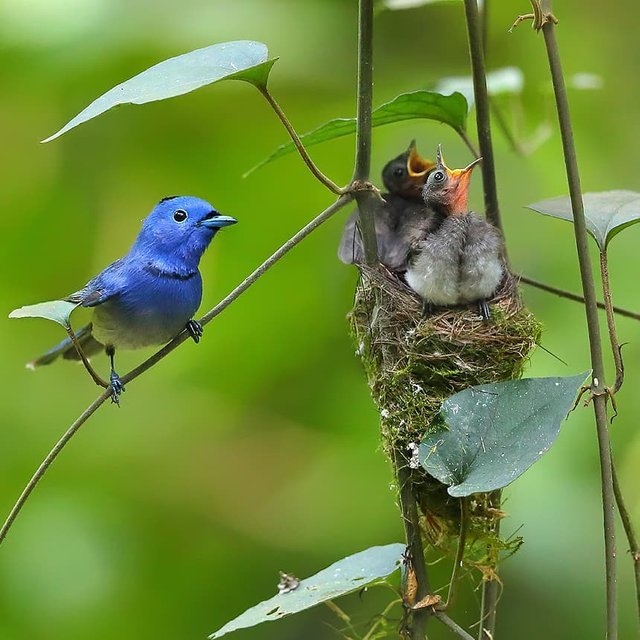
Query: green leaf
[428, 105]
[504, 81]
[56, 310]
[495, 432]
[606, 213]
[342, 577]
[239, 60]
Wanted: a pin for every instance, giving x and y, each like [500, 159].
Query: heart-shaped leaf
[342, 577]
[56, 310]
[428, 105]
[606, 212]
[239, 60]
[495, 432]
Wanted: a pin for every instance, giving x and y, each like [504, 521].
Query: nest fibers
[414, 364]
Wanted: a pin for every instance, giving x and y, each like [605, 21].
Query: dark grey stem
[413, 535]
[162, 353]
[632, 538]
[44, 465]
[327, 182]
[573, 296]
[483, 109]
[616, 349]
[363, 131]
[455, 627]
[591, 308]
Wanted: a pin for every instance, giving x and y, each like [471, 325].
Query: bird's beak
[417, 166]
[459, 179]
[462, 177]
[216, 221]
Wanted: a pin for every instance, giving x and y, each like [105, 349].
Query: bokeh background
[257, 450]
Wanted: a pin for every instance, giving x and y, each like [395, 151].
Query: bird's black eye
[180, 215]
[438, 176]
[398, 172]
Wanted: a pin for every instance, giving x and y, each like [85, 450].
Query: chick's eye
[438, 176]
[398, 172]
[180, 215]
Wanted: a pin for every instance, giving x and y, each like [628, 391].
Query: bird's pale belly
[113, 325]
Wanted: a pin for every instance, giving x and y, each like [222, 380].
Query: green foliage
[239, 60]
[495, 432]
[606, 213]
[428, 105]
[345, 576]
[56, 310]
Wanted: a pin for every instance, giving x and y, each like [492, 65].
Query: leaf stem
[465, 138]
[363, 131]
[616, 348]
[85, 361]
[588, 288]
[563, 293]
[456, 628]
[168, 348]
[474, 31]
[327, 182]
[457, 563]
[490, 587]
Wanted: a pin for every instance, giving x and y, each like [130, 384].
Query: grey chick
[402, 210]
[461, 262]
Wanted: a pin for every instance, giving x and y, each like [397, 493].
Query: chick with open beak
[398, 217]
[461, 261]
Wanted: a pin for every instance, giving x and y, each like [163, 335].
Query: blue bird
[149, 296]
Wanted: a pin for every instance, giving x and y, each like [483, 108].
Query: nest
[413, 364]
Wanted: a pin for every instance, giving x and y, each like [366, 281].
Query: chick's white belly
[123, 330]
[434, 278]
[480, 281]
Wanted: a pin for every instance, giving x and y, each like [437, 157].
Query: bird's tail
[89, 345]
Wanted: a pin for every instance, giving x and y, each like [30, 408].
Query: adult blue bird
[150, 295]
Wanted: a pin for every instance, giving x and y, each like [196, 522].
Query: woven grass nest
[413, 364]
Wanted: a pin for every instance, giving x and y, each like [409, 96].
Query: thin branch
[491, 587]
[492, 209]
[563, 293]
[413, 535]
[85, 361]
[327, 182]
[457, 563]
[162, 353]
[588, 288]
[363, 130]
[634, 545]
[616, 348]
[44, 465]
[456, 628]
[465, 138]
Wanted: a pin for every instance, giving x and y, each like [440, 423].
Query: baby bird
[149, 296]
[461, 262]
[403, 208]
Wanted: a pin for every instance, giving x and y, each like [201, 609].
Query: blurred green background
[257, 451]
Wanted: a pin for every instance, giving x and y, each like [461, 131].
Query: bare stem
[465, 138]
[634, 545]
[456, 628]
[363, 130]
[162, 353]
[327, 182]
[85, 361]
[457, 563]
[616, 348]
[474, 30]
[591, 308]
[491, 587]
[563, 293]
[413, 535]
[44, 465]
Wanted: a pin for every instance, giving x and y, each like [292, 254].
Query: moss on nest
[413, 364]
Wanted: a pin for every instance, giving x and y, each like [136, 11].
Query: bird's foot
[116, 387]
[485, 312]
[195, 330]
[428, 308]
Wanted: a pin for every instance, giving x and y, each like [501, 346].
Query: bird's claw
[117, 387]
[485, 312]
[195, 330]
[428, 308]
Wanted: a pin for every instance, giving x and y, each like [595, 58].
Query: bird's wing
[107, 284]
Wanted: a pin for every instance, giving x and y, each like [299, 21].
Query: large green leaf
[239, 60]
[495, 432]
[428, 105]
[56, 310]
[342, 577]
[606, 213]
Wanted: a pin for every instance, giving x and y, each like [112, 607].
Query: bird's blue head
[178, 231]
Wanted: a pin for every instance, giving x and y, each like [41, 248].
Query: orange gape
[460, 178]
